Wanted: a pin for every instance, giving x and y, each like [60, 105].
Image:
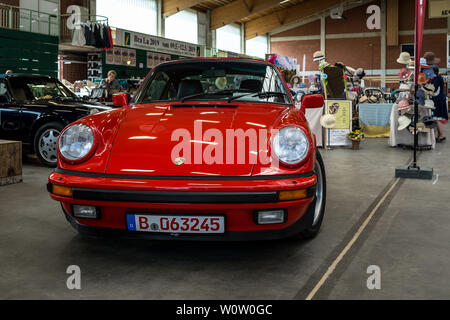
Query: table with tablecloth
[405, 137]
[374, 119]
[381, 120]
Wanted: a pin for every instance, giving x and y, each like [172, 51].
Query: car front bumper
[236, 200]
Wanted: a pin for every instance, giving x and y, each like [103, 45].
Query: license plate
[175, 224]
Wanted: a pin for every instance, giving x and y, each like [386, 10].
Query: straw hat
[322, 65]
[404, 74]
[411, 64]
[422, 78]
[360, 73]
[373, 99]
[404, 105]
[328, 121]
[363, 99]
[318, 56]
[221, 83]
[429, 104]
[430, 58]
[403, 122]
[420, 128]
[404, 58]
[429, 87]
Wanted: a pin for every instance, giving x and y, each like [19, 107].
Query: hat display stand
[405, 138]
[414, 171]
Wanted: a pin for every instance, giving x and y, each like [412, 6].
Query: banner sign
[142, 41]
[439, 9]
[342, 110]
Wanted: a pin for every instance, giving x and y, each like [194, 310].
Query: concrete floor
[408, 238]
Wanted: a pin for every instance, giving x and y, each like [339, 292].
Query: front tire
[45, 143]
[317, 207]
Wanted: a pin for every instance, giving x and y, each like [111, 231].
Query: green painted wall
[27, 52]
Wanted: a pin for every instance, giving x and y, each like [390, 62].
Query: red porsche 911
[207, 149]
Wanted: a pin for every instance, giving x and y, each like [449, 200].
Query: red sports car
[208, 149]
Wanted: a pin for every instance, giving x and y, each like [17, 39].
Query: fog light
[62, 191]
[87, 212]
[271, 216]
[293, 195]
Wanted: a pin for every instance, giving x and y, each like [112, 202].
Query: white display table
[405, 137]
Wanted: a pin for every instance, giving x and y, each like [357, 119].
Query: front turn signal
[292, 195]
[62, 191]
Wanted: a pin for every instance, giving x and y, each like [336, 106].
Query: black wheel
[317, 207]
[45, 142]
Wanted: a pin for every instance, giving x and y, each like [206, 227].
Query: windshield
[217, 80]
[35, 88]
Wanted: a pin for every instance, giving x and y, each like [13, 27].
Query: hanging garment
[90, 41]
[78, 38]
[111, 42]
[97, 36]
[106, 37]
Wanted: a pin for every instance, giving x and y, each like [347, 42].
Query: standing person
[110, 82]
[440, 102]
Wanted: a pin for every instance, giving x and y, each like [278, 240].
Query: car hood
[149, 134]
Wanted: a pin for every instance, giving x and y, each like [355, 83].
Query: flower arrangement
[356, 135]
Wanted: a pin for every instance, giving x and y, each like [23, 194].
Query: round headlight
[291, 145]
[76, 142]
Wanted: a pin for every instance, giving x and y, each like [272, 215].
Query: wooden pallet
[10, 162]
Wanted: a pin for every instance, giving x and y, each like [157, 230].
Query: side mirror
[311, 101]
[120, 99]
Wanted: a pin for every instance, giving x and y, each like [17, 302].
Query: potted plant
[356, 136]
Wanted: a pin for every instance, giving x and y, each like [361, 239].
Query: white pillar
[160, 20]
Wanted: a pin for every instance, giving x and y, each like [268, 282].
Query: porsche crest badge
[179, 161]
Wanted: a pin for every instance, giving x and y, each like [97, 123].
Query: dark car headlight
[76, 142]
[291, 145]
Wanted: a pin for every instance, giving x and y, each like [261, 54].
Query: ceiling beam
[237, 10]
[171, 7]
[304, 10]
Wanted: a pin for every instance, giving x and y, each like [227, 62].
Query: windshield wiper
[218, 93]
[259, 95]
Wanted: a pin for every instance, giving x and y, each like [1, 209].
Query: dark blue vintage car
[35, 109]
